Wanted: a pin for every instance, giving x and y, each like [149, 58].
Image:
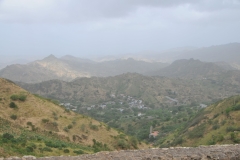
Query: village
[120, 103]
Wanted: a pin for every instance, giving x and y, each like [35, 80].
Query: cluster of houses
[123, 99]
[69, 106]
[135, 103]
[132, 102]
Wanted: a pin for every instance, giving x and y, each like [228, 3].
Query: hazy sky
[83, 28]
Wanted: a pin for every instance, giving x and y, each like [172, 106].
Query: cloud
[78, 11]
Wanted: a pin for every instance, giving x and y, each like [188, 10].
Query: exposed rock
[224, 152]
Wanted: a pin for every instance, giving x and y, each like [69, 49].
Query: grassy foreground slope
[217, 124]
[33, 125]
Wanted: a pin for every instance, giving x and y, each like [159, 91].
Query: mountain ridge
[68, 68]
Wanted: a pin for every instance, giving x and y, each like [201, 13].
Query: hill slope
[152, 90]
[217, 124]
[52, 129]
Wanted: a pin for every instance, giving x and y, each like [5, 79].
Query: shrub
[223, 122]
[13, 105]
[29, 149]
[236, 108]
[134, 142]
[94, 127]
[54, 144]
[55, 124]
[66, 151]
[197, 132]
[220, 138]
[47, 149]
[20, 97]
[55, 117]
[232, 129]
[229, 109]
[178, 141]
[33, 145]
[78, 152]
[14, 97]
[13, 116]
[7, 136]
[66, 129]
[215, 127]
[212, 142]
[122, 144]
[45, 120]
[69, 126]
[29, 123]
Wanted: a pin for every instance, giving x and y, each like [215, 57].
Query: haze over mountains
[128, 94]
[192, 69]
[229, 53]
[67, 68]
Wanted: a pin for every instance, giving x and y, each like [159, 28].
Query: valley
[132, 103]
[68, 105]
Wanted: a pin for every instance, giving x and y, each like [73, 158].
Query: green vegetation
[36, 144]
[36, 128]
[13, 116]
[216, 124]
[13, 105]
[20, 97]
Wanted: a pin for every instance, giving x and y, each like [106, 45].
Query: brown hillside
[46, 116]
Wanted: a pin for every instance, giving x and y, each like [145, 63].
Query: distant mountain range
[229, 53]
[68, 68]
[194, 69]
[208, 61]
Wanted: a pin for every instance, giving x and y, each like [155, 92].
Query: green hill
[219, 123]
[32, 125]
[152, 90]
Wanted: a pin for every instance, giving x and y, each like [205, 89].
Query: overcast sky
[85, 28]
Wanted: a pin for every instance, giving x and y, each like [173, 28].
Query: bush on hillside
[20, 97]
[47, 149]
[236, 107]
[13, 105]
[78, 152]
[13, 116]
[66, 151]
[14, 97]
[197, 132]
[29, 149]
[7, 136]
[45, 120]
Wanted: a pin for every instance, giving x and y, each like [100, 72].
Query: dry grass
[34, 109]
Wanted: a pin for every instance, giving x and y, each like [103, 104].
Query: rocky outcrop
[223, 152]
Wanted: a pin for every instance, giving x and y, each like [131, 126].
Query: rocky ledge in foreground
[221, 152]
